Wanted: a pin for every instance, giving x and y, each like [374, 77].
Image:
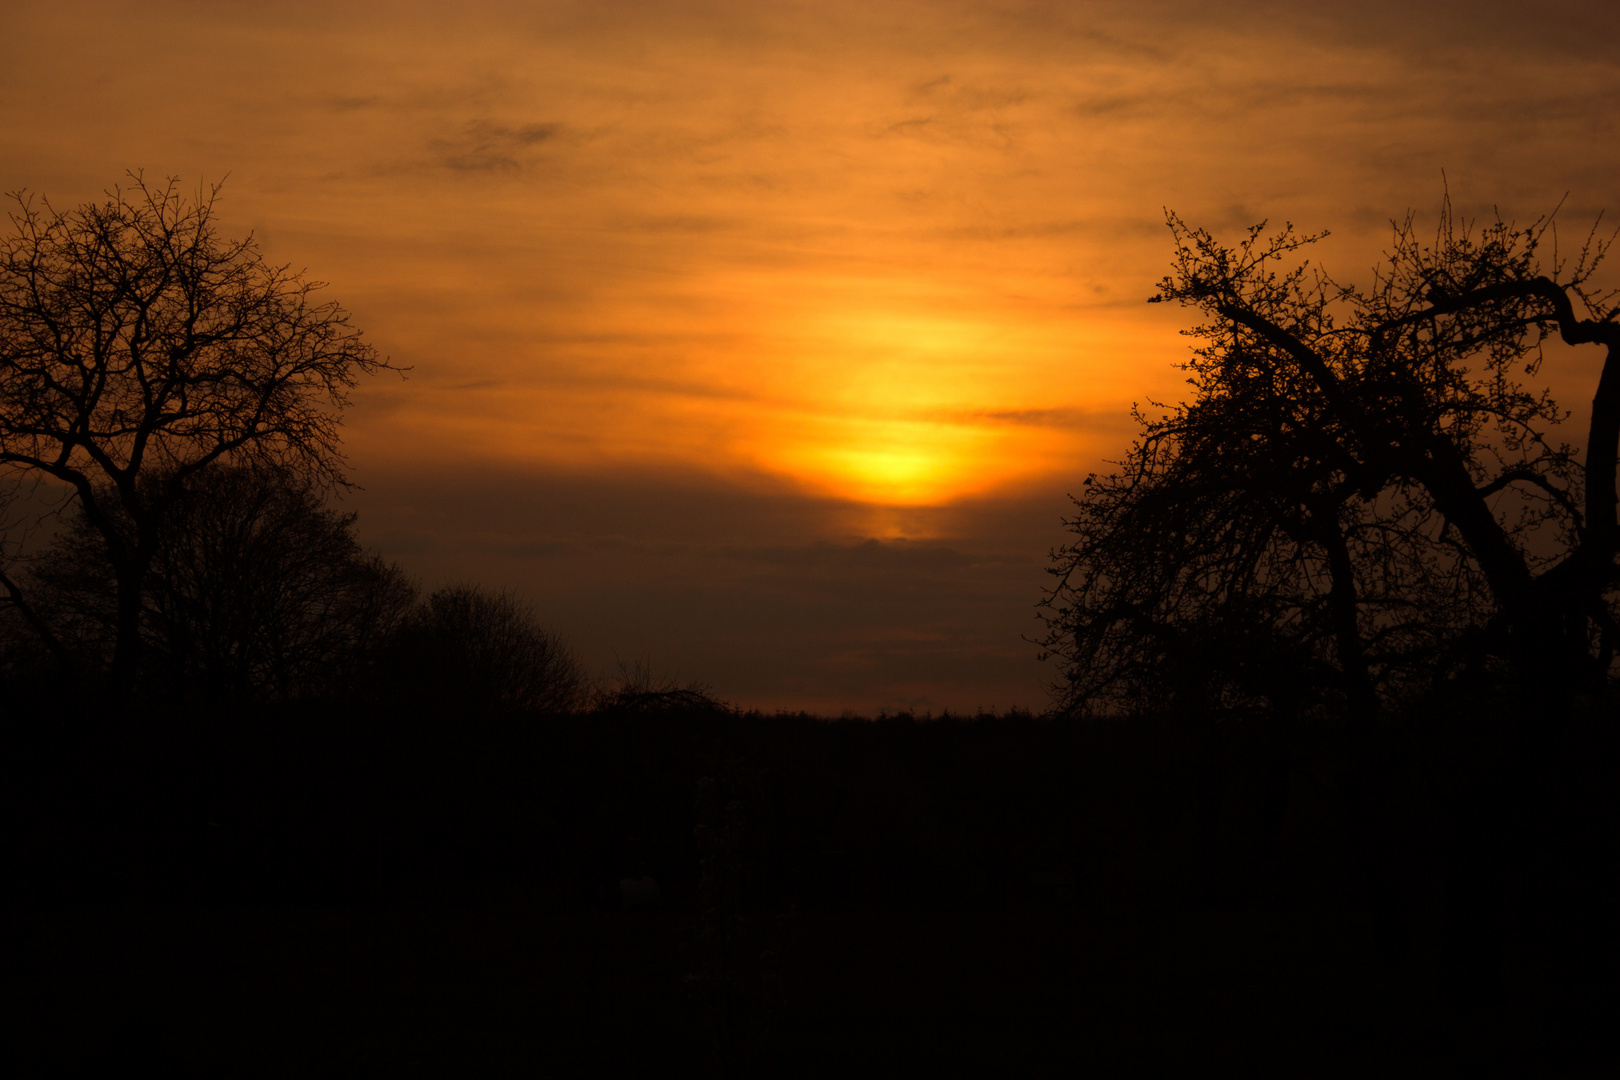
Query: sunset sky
[763, 340]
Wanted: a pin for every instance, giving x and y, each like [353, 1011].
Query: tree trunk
[127, 642]
[1344, 603]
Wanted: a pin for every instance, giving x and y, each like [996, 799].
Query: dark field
[309, 893]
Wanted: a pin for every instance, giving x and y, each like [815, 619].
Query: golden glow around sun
[913, 407]
[897, 403]
[875, 435]
[896, 462]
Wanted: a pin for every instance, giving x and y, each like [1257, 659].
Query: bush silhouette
[482, 650]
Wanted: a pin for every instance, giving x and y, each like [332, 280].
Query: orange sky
[886, 259]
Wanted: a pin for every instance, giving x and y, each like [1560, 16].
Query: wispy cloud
[484, 147]
[1062, 418]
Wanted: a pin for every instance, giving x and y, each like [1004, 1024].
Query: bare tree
[1363, 479]
[136, 343]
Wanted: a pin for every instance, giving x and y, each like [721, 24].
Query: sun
[893, 475]
[901, 409]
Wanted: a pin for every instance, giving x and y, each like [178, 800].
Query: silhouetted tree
[255, 588]
[483, 651]
[137, 348]
[1361, 482]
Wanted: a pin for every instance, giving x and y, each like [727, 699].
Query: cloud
[864, 556]
[1116, 106]
[773, 597]
[679, 223]
[352, 102]
[484, 147]
[1062, 418]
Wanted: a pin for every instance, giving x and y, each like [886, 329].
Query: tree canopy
[138, 347]
[1367, 492]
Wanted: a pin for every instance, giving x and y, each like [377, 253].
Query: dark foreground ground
[514, 985]
[316, 895]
